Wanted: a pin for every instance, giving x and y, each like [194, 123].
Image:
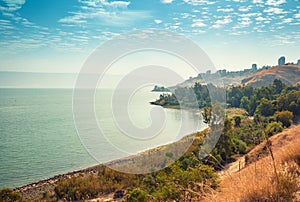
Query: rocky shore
[34, 190]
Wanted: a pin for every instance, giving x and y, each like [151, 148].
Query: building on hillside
[281, 60]
[298, 63]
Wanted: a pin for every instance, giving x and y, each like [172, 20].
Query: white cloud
[118, 4]
[297, 15]
[274, 10]
[225, 10]
[78, 18]
[166, 1]
[249, 14]
[158, 21]
[186, 15]
[199, 2]
[261, 18]
[12, 5]
[245, 21]
[275, 2]
[220, 23]
[257, 1]
[99, 16]
[102, 12]
[244, 9]
[287, 20]
[198, 23]
[105, 3]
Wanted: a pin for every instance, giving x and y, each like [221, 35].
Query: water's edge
[35, 189]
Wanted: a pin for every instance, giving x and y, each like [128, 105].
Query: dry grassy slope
[239, 180]
[289, 74]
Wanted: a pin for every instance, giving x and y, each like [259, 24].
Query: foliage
[263, 101]
[160, 89]
[136, 195]
[237, 121]
[8, 195]
[285, 117]
[265, 107]
[90, 186]
[177, 182]
[273, 128]
[194, 97]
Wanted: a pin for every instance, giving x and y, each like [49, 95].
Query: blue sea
[38, 137]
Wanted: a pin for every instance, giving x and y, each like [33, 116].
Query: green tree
[245, 103]
[265, 107]
[277, 86]
[285, 117]
[225, 145]
[252, 105]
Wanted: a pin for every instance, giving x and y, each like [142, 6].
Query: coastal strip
[36, 189]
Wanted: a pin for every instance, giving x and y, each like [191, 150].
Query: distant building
[298, 63]
[281, 60]
[254, 67]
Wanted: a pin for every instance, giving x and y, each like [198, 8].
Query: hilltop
[255, 77]
[289, 74]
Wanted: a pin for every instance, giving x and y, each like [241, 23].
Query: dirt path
[233, 167]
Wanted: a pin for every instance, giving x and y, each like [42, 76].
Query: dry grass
[258, 182]
[288, 74]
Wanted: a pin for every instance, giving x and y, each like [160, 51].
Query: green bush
[285, 117]
[273, 128]
[136, 195]
[8, 195]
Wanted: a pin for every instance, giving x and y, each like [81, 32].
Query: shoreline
[35, 189]
[177, 107]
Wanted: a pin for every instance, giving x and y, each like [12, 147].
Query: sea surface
[38, 137]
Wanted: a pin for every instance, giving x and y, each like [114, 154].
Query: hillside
[228, 77]
[255, 180]
[289, 74]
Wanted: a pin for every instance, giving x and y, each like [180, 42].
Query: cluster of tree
[266, 101]
[160, 89]
[197, 96]
[185, 180]
[278, 99]
[273, 109]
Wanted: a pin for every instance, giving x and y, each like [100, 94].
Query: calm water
[38, 138]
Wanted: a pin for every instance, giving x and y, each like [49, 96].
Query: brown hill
[256, 180]
[289, 74]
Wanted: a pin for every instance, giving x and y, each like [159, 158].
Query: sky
[57, 36]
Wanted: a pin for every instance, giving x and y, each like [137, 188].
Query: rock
[119, 194]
